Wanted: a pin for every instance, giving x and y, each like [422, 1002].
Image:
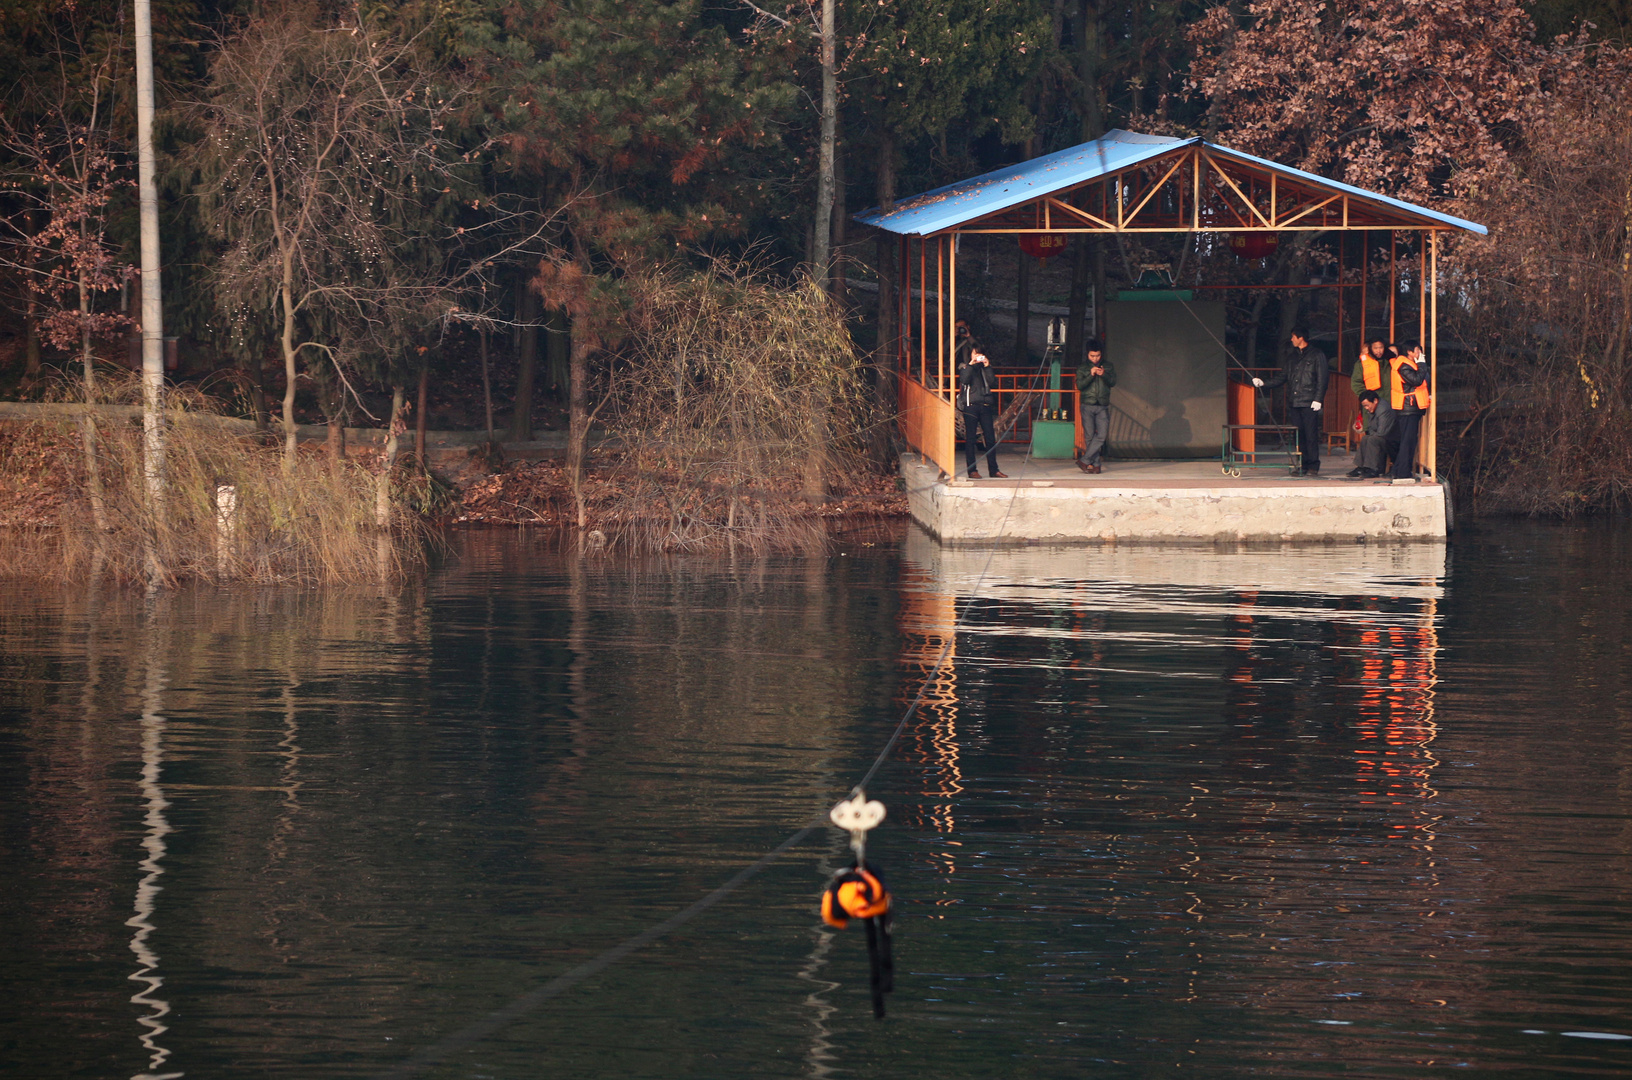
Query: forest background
[370, 209]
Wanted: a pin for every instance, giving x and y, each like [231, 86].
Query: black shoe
[1312, 472]
[1365, 474]
[1356, 473]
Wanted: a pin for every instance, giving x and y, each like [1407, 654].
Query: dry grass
[309, 521]
[733, 401]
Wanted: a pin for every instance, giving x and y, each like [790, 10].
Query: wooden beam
[1177, 229]
[1152, 193]
[1083, 214]
[1306, 211]
[1195, 205]
[1249, 204]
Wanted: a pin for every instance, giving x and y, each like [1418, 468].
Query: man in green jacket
[1095, 377]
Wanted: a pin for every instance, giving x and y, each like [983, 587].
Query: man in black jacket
[978, 404]
[1305, 372]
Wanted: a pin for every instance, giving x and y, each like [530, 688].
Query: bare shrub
[736, 406]
[236, 508]
[1546, 309]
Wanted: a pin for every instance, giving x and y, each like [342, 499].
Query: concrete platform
[1168, 502]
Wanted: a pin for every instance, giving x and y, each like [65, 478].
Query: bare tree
[326, 174]
[66, 168]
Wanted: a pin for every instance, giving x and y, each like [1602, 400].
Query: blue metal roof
[948, 207]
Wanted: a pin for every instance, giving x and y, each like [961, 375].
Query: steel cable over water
[478, 1030]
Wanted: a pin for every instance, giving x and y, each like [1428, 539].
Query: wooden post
[1422, 287]
[1432, 442]
[903, 301]
[1365, 273]
[940, 315]
[923, 312]
[951, 307]
[1393, 284]
[1342, 249]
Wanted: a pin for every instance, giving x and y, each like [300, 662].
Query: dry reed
[233, 510]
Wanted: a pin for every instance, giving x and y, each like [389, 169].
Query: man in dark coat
[1305, 372]
[978, 404]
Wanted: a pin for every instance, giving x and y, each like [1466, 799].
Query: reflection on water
[1274, 812]
[148, 889]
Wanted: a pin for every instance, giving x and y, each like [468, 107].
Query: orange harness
[859, 893]
[1371, 370]
[1397, 393]
[855, 894]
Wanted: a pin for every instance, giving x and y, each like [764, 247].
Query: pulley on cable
[858, 892]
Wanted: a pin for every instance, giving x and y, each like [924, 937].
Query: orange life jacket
[1397, 393]
[1371, 370]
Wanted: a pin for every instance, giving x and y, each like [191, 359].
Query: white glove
[1259, 383]
[1315, 405]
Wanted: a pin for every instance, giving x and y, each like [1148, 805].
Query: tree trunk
[1090, 108]
[836, 275]
[556, 346]
[291, 433]
[382, 485]
[487, 385]
[815, 468]
[31, 344]
[257, 393]
[821, 247]
[1087, 260]
[420, 451]
[1022, 309]
[521, 417]
[31, 318]
[884, 355]
[337, 433]
[87, 420]
[1082, 259]
[578, 423]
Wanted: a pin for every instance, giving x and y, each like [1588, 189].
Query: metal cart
[1240, 448]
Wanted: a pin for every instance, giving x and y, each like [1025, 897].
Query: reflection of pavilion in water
[1308, 658]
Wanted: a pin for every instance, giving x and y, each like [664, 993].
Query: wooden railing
[927, 423]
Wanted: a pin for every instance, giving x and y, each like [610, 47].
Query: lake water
[1289, 813]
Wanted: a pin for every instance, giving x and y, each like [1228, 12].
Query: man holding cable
[1305, 372]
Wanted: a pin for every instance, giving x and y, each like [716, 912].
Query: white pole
[822, 255]
[152, 310]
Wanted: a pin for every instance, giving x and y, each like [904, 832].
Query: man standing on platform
[1095, 377]
[978, 404]
[1408, 390]
[1305, 372]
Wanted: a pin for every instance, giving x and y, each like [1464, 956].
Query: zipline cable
[475, 1032]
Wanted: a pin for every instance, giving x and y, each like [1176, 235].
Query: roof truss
[1197, 188]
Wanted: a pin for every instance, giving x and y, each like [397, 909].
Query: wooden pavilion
[1123, 183]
